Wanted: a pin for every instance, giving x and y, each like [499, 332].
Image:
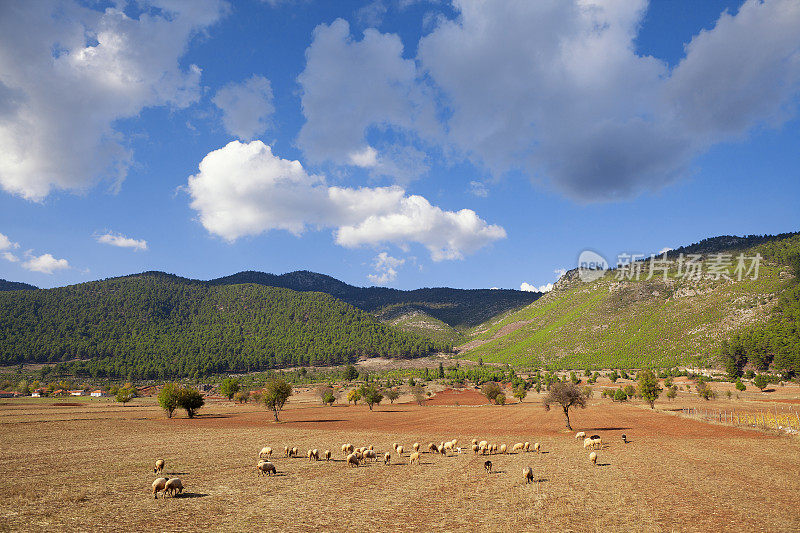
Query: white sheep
[593, 457]
[159, 466]
[503, 448]
[414, 457]
[174, 485]
[327, 455]
[313, 454]
[537, 447]
[387, 458]
[580, 435]
[517, 447]
[527, 474]
[287, 451]
[399, 450]
[352, 460]
[595, 444]
[266, 451]
[265, 468]
[395, 445]
[474, 442]
[483, 444]
[415, 446]
[347, 448]
[295, 451]
[433, 448]
[475, 448]
[370, 454]
[527, 446]
[158, 486]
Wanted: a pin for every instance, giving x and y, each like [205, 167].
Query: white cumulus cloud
[6, 245]
[246, 107]
[556, 90]
[527, 287]
[68, 72]
[385, 269]
[45, 263]
[244, 189]
[121, 241]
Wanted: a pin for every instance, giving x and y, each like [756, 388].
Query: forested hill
[160, 326]
[6, 285]
[455, 307]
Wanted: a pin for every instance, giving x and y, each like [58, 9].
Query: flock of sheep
[354, 457]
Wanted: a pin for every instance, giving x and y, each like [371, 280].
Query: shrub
[740, 386]
[620, 396]
[705, 391]
[353, 396]
[630, 390]
[500, 399]
[242, 396]
[491, 390]
[419, 394]
[761, 381]
[392, 394]
[350, 373]
[520, 393]
[672, 392]
[126, 394]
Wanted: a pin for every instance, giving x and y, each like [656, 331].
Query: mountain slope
[159, 325]
[6, 285]
[626, 323]
[458, 308]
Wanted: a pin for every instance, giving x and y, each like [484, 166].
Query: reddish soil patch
[67, 404]
[458, 397]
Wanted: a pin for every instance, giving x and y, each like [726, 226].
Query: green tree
[418, 392]
[500, 399]
[520, 392]
[353, 396]
[392, 394]
[440, 373]
[567, 395]
[243, 396]
[740, 386]
[613, 376]
[704, 391]
[672, 392]
[329, 398]
[371, 395]
[491, 390]
[229, 387]
[630, 390]
[168, 398]
[275, 395]
[126, 394]
[620, 395]
[761, 381]
[190, 400]
[649, 388]
[350, 373]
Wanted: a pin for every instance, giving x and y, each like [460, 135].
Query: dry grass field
[89, 467]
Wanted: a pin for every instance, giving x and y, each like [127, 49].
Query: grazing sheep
[475, 448]
[158, 486]
[474, 442]
[446, 446]
[596, 443]
[587, 443]
[287, 451]
[359, 455]
[580, 435]
[624, 438]
[399, 451]
[266, 451]
[527, 446]
[174, 485]
[537, 447]
[415, 446]
[483, 450]
[413, 458]
[313, 454]
[527, 473]
[494, 448]
[370, 454]
[387, 458]
[593, 457]
[503, 448]
[159, 466]
[395, 445]
[517, 447]
[327, 455]
[347, 448]
[483, 444]
[295, 451]
[455, 442]
[266, 468]
[433, 448]
[488, 466]
[352, 460]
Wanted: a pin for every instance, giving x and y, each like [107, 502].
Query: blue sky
[397, 142]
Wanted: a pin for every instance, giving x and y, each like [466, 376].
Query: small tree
[500, 399]
[620, 395]
[275, 395]
[371, 396]
[329, 398]
[391, 394]
[168, 398]
[242, 396]
[491, 390]
[520, 393]
[324, 392]
[229, 387]
[353, 396]
[419, 394]
[126, 394]
[761, 381]
[567, 395]
[630, 390]
[740, 386]
[649, 389]
[704, 391]
[672, 392]
[191, 400]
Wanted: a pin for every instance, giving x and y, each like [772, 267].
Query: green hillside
[158, 326]
[628, 323]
